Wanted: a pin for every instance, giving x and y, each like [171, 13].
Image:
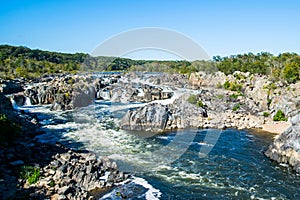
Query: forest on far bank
[33, 63]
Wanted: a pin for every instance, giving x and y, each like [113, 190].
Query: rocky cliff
[286, 146]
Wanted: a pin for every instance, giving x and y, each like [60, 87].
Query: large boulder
[286, 146]
[19, 99]
[10, 87]
[152, 117]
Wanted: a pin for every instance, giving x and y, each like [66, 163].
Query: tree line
[29, 63]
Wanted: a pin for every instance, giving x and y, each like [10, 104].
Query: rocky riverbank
[248, 102]
[239, 100]
[286, 146]
[34, 170]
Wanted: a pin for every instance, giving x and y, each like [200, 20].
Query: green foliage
[71, 81]
[21, 72]
[192, 99]
[239, 76]
[9, 130]
[236, 107]
[269, 101]
[235, 95]
[282, 67]
[279, 116]
[220, 96]
[200, 104]
[226, 85]
[32, 63]
[266, 114]
[111, 125]
[52, 183]
[31, 174]
[291, 72]
[233, 86]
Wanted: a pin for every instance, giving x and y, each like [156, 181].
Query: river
[185, 164]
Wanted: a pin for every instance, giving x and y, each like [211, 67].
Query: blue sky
[221, 27]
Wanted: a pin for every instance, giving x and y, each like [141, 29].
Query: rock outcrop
[10, 87]
[286, 146]
[152, 117]
[74, 175]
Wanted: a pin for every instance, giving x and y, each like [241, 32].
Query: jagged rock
[153, 117]
[75, 179]
[286, 146]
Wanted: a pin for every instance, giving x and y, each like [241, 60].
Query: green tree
[20, 71]
[291, 72]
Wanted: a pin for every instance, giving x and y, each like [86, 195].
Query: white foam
[141, 93]
[152, 193]
[204, 144]
[62, 126]
[27, 101]
[14, 104]
[163, 137]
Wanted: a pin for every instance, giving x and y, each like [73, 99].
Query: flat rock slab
[277, 127]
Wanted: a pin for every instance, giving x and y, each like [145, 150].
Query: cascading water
[235, 168]
[27, 101]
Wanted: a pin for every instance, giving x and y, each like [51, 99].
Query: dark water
[235, 168]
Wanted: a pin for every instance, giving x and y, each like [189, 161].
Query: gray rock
[286, 147]
[152, 117]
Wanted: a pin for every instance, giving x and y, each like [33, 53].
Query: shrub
[266, 114]
[234, 96]
[192, 99]
[239, 76]
[279, 116]
[233, 86]
[220, 96]
[236, 107]
[200, 104]
[31, 174]
[291, 72]
[71, 81]
[226, 85]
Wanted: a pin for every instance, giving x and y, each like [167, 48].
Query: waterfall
[27, 101]
[14, 104]
[105, 95]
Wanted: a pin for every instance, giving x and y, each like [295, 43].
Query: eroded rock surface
[153, 117]
[286, 146]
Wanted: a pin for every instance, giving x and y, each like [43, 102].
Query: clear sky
[221, 27]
